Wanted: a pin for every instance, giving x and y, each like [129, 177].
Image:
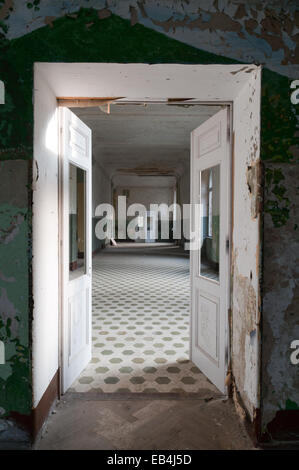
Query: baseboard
[284, 428]
[33, 423]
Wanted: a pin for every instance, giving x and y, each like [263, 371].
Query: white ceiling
[144, 139]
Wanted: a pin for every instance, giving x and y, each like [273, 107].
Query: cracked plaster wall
[281, 298]
[263, 31]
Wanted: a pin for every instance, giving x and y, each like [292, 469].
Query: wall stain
[244, 336]
[254, 187]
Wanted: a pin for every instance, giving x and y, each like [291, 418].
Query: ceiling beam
[71, 102]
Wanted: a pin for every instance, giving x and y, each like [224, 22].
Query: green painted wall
[15, 300]
[15, 390]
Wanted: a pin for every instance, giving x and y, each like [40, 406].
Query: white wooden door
[210, 224]
[75, 243]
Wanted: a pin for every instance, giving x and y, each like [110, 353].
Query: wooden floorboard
[144, 423]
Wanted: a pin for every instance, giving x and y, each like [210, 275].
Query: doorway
[236, 86]
[153, 330]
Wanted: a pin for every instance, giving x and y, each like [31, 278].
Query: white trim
[208, 84]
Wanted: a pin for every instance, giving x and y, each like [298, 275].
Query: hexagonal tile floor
[141, 324]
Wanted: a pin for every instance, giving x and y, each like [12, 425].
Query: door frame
[237, 85]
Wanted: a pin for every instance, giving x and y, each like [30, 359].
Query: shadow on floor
[87, 421]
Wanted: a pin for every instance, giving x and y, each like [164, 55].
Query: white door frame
[238, 85]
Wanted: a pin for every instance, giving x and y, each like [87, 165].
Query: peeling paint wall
[281, 298]
[280, 387]
[245, 301]
[247, 31]
[15, 374]
[263, 32]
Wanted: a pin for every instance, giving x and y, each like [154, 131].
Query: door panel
[208, 325]
[75, 170]
[210, 256]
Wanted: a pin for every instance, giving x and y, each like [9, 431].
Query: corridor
[141, 323]
[140, 345]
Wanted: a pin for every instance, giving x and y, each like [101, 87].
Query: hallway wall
[259, 30]
[101, 194]
[184, 198]
[146, 195]
[145, 190]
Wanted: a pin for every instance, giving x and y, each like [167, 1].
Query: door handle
[227, 244]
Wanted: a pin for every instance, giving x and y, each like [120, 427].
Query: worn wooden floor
[172, 405]
[86, 421]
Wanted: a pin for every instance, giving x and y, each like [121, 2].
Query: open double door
[209, 254]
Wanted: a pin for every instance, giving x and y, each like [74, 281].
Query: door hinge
[227, 244]
[226, 355]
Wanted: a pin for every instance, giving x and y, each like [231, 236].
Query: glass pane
[77, 185]
[210, 223]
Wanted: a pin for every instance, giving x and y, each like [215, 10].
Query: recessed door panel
[208, 325]
[210, 256]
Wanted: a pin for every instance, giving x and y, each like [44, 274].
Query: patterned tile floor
[141, 324]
